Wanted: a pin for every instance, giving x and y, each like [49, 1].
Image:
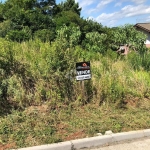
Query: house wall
[147, 42]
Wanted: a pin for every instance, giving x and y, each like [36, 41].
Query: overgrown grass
[39, 104]
[40, 125]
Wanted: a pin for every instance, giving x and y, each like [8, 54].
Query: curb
[93, 141]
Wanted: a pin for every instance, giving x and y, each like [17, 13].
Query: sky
[113, 13]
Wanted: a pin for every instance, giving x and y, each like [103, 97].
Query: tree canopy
[25, 19]
[24, 15]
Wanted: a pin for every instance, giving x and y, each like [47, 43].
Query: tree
[5, 27]
[46, 6]
[67, 18]
[68, 5]
[34, 14]
[89, 26]
[127, 34]
[95, 42]
[67, 13]
[44, 35]
[71, 5]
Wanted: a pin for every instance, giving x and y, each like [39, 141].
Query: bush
[19, 35]
[45, 35]
[94, 42]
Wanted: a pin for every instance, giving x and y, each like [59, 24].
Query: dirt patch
[132, 103]
[62, 130]
[76, 135]
[138, 102]
[7, 146]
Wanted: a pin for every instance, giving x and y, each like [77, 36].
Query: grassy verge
[38, 125]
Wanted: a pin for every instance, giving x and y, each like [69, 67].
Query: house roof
[144, 26]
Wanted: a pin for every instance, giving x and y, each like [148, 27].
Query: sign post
[83, 72]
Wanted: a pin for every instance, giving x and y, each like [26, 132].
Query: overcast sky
[115, 12]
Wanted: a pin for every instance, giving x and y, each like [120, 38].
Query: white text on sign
[84, 72]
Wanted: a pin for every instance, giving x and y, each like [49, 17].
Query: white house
[145, 28]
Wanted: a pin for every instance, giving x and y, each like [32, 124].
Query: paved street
[140, 144]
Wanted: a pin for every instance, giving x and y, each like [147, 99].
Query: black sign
[83, 71]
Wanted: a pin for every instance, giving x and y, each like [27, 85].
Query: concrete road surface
[140, 144]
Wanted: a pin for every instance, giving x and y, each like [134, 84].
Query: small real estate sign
[83, 71]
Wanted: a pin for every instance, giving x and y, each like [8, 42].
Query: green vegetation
[40, 100]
